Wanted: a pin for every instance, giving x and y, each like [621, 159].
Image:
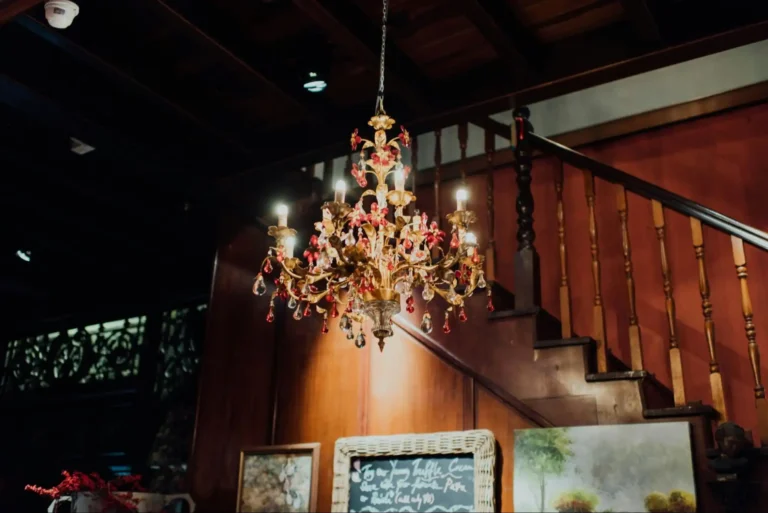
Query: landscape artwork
[631, 467]
[280, 482]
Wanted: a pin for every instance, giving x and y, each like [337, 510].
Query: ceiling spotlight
[314, 84]
[24, 255]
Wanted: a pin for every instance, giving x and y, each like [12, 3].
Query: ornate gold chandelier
[367, 260]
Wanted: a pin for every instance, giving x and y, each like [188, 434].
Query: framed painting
[450, 471]
[278, 478]
[630, 467]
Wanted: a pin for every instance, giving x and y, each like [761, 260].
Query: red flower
[359, 175]
[434, 235]
[379, 161]
[404, 137]
[377, 217]
[354, 140]
[358, 216]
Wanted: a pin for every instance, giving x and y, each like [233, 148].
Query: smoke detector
[61, 13]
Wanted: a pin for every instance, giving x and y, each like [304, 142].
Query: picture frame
[265, 475]
[480, 443]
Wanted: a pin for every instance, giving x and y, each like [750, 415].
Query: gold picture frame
[479, 442]
[268, 471]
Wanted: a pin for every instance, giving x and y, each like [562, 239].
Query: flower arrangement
[79, 482]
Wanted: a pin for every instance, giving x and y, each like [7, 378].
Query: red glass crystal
[334, 311]
[267, 267]
[271, 314]
[325, 326]
[454, 241]
[349, 307]
[409, 304]
[307, 311]
[446, 325]
[491, 308]
[462, 315]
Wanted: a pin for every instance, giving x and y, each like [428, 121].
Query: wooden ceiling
[177, 94]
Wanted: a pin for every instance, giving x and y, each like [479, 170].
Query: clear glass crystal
[427, 293]
[292, 303]
[481, 284]
[426, 323]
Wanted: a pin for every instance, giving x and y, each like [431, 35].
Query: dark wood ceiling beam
[125, 81]
[210, 42]
[46, 111]
[351, 30]
[511, 40]
[642, 20]
[12, 8]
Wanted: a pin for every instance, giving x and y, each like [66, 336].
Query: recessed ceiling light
[315, 84]
[80, 147]
[24, 255]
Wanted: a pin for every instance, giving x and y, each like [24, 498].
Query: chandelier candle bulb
[461, 199]
[399, 180]
[340, 191]
[289, 245]
[282, 215]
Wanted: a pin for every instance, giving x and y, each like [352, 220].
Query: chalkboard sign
[412, 483]
[452, 471]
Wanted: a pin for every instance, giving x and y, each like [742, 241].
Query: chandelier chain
[379, 109]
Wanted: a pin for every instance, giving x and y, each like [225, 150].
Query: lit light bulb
[340, 191]
[399, 180]
[470, 240]
[289, 244]
[282, 215]
[461, 199]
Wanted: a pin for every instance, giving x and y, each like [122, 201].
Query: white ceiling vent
[80, 147]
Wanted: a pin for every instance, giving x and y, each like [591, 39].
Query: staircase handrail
[706, 215]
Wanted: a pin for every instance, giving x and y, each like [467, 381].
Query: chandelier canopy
[367, 259]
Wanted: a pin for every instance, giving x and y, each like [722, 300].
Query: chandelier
[363, 261]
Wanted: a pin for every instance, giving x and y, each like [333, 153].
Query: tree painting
[542, 453]
[591, 469]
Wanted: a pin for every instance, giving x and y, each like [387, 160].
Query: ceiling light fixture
[24, 255]
[315, 84]
[372, 255]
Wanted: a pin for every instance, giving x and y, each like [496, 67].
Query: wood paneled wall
[298, 385]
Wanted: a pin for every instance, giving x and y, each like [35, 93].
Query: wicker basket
[480, 443]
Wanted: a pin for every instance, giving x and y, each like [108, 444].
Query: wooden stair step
[688, 410]
[563, 342]
[514, 312]
[598, 377]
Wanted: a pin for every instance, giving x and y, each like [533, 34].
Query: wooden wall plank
[493, 414]
[321, 377]
[412, 391]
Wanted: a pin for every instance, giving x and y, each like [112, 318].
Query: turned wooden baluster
[598, 310]
[438, 162]
[675, 361]
[526, 263]
[414, 170]
[749, 326]
[565, 291]
[635, 340]
[715, 379]
[463, 136]
[490, 252]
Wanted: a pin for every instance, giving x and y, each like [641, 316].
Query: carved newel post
[738, 466]
[527, 285]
